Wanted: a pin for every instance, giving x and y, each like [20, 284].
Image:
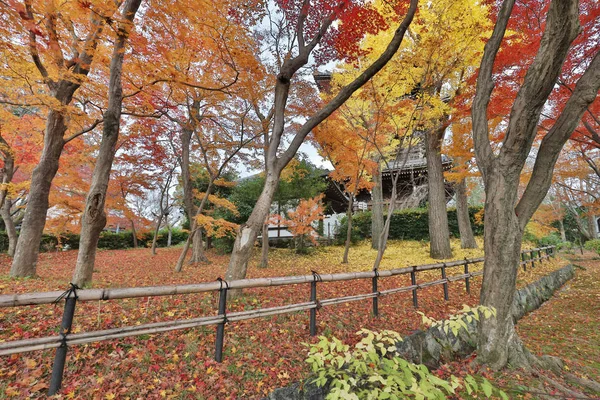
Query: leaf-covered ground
[259, 355]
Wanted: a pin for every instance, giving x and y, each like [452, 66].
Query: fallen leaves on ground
[259, 355]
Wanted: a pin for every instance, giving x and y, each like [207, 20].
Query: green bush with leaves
[372, 370]
[593, 245]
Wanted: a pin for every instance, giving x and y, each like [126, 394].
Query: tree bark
[467, 239]
[563, 234]
[156, 230]
[591, 221]
[439, 233]
[28, 247]
[134, 234]
[502, 246]
[377, 209]
[348, 230]
[248, 232]
[93, 219]
[9, 224]
[198, 255]
[264, 259]
[170, 233]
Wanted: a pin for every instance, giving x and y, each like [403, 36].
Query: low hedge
[107, 240]
[408, 224]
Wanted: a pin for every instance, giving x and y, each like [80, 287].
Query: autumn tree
[300, 221]
[506, 214]
[349, 144]
[60, 43]
[309, 25]
[93, 219]
[460, 150]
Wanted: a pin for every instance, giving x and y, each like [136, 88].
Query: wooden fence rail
[74, 295]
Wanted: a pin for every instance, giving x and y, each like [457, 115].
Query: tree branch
[349, 89]
[584, 94]
[485, 85]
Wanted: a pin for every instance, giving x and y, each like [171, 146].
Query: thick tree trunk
[467, 239]
[156, 230]
[198, 255]
[563, 234]
[439, 233]
[502, 246]
[377, 209]
[9, 224]
[170, 235]
[264, 259]
[93, 219]
[26, 254]
[348, 230]
[248, 232]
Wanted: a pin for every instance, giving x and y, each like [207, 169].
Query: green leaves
[371, 371]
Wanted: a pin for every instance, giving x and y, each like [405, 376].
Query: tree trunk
[28, 247]
[188, 199]
[502, 247]
[198, 255]
[591, 220]
[467, 240]
[439, 234]
[156, 230]
[348, 230]
[264, 259]
[93, 219]
[563, 234]
[134, 234]
[169, 230]
[248, 232]
[182, 255]
[9, 224]
[377, 209]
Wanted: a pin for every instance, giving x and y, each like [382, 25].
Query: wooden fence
[74, 295]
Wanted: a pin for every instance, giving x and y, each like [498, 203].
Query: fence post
[531, 258]
[413, 281]
[60, 357]
[540, 255]
[221, 325]
[467, 283]
[523, 261]
[313, 298]
[445, 283]
[376, 291]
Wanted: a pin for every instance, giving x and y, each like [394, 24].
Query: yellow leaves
[216, 227]
[109, 396]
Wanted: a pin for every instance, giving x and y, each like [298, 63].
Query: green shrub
[409, 224]
[223, 245]
[114, 241]
[567, 246]
[371, 371]
[593, 245]
[552, 239]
